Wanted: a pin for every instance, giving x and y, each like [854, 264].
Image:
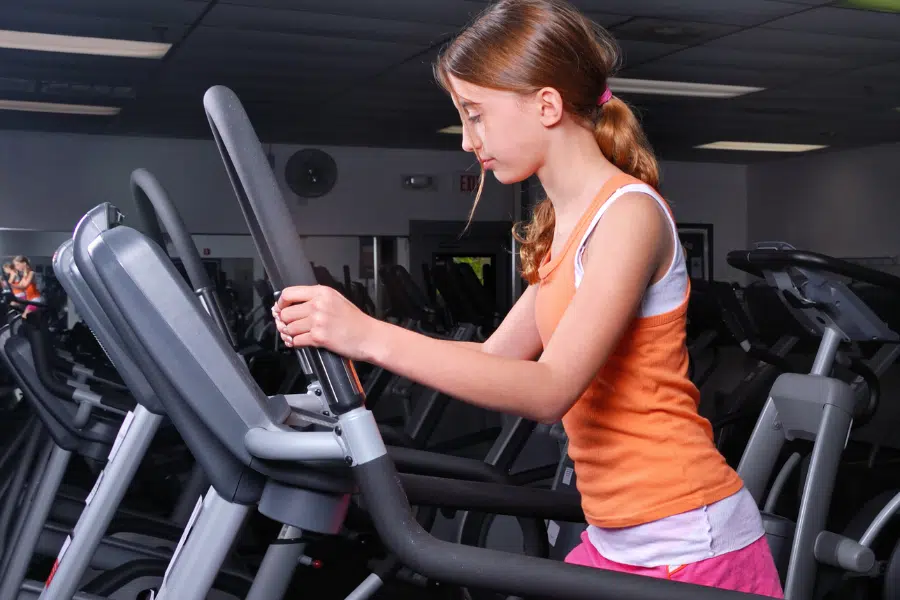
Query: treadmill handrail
[757, 261]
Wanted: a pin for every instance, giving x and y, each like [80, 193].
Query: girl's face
[20, 266]
[505, 130]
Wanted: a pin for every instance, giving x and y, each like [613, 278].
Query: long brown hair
[525, 45]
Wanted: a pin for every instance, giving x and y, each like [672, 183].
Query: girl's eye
[474, 118]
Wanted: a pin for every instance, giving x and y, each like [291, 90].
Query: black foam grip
[515, 501]
[272, 227]
[757, 261]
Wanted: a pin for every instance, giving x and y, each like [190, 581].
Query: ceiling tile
[91, 26]
[278, 50]
[759, 59]
[727, 12]
[236, 17]
[161, 11]
[454, 12]
[640, 52]
[843, 22]
[810, 44]
[683, 33]
[359, 72]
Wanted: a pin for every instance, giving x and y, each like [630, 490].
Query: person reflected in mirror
[26, 285]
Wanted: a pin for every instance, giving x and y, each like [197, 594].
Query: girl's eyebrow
[465, 104]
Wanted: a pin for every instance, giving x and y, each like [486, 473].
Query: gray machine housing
[813, 407]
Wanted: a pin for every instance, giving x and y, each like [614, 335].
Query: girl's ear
[550, 104]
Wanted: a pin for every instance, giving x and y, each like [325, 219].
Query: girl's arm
[517, 336]
[627, 249]
[26, 280]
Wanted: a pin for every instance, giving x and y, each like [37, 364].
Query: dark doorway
[485, 246]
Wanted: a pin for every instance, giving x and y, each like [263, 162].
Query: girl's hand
[321, 317]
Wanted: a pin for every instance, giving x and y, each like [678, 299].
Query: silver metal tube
[368, 588]
[885, 515]
[831, 340]
[293, 445]
[780, 480]
[376, 259]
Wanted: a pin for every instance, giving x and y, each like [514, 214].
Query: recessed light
[73, 44]
[52, 107]
[761, 147]
[452, 129]
[679, 88]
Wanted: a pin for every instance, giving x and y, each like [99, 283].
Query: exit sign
[468, 183]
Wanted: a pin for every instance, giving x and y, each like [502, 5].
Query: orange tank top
[31, 292]
[641, 450]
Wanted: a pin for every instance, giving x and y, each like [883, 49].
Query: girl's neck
[573, 174]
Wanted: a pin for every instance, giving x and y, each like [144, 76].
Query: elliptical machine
[820, 408]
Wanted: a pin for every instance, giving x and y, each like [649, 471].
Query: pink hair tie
[605, 97]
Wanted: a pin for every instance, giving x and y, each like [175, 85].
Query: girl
[10, 277]
[605, 311]
[26, 284]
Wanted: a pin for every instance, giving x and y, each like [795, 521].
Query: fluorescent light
[52, 107]
[73, 44]
[760, 147]
[452, 129]
[679, 88]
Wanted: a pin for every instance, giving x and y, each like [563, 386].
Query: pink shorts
[749, 569]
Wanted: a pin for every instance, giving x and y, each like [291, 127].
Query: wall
[33, 244]
[368, 198]
[715, 194]
[839, 203]
[48, 181]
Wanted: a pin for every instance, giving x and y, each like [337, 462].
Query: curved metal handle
[274, 232]
[153, 205]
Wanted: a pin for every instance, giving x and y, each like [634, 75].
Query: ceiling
[358, 72]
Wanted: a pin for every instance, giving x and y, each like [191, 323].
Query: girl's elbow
[548, 414]
[548, 419]
[555, 408]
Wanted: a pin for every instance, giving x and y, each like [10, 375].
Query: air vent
[11, 84]
[776, 112]
[669, 32]
[92, 90]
